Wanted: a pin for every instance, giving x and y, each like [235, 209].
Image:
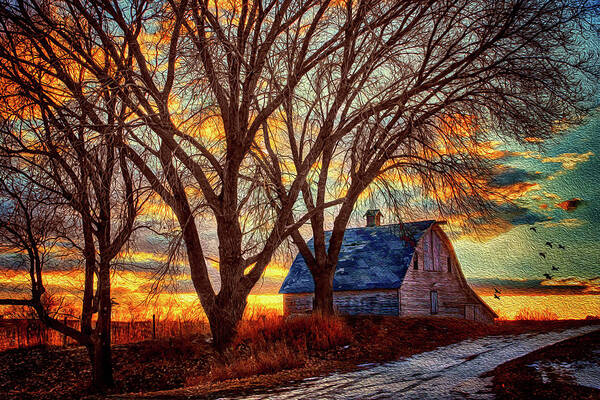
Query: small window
[416, 261]
[434, 301]
[449, 263]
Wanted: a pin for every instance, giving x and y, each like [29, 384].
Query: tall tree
[414, 104]
[182, 68]
[60, 137]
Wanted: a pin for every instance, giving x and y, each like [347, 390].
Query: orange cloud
[534, 140]
[567, 222]
[570, 205]
[587, 286]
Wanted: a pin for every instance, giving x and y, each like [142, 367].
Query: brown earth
[519, 379]
[267, 353]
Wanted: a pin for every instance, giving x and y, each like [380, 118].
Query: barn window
[434, 302]
[449, 263]
[416, 261]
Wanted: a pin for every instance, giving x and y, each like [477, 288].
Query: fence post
[64, 335]
[153, 326]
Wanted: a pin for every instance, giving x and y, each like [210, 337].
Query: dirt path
[446, 373]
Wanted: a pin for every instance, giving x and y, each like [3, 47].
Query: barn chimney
[373, 217]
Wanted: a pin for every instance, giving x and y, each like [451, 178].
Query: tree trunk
[100, 359]
[323, 300]
[102, 371]
[224, 319]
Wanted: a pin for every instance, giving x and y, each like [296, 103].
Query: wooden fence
[19, 333]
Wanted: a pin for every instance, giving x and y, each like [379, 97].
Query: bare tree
[179, 67]
[30, 226]
[200, 84]
[60, 137]
[411, 105]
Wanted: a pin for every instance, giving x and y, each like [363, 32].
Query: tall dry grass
[527, 314]
[268, 343]
[20, 333]
[24, 330]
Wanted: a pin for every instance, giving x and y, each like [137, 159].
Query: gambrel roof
[370, 258]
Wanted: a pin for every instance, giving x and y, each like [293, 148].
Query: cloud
[570, 205]
[506, 217]
[534, 140]
[508, 176]
[523, 154]
[582, 285]
[553, 196]
[536, 287]
[518, 215]
[568, 160]
[567, 223]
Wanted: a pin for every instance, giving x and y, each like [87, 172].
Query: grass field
[269, 350]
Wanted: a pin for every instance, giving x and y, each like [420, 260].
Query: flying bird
[548, 276]
[497, 291]
[542, 254]
[560, 246]
[533, 229]
[554, 268]
[549, 244]
[496, 296]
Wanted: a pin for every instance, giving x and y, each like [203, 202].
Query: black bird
[533, 229]
[549, 244]
[543, 255]
[548, 276]
[496, 296]
[554, 268]
[497, 291]
[560, 246]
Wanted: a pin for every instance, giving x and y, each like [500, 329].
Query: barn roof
[374, 257]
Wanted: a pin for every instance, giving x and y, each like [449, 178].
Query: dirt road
[450, 372]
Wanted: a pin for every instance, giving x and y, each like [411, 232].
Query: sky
[554, 189]
[568, 168]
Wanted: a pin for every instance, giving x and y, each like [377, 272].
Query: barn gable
[402, 269]
[370, 258]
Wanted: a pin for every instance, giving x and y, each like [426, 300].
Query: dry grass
[23, 329]
[21, 333]
[268, 351]
[527, 314]
[270, 343]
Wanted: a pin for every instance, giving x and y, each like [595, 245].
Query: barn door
[434, 302]
[470, 312]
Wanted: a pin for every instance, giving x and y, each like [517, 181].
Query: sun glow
[564, 306]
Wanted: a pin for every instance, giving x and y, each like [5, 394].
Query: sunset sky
[553, 188]
[503, 255]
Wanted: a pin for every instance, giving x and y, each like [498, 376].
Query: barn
[403, 269]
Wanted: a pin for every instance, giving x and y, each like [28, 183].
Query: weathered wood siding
[434, 253]
[433, 275]
[363, 302]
